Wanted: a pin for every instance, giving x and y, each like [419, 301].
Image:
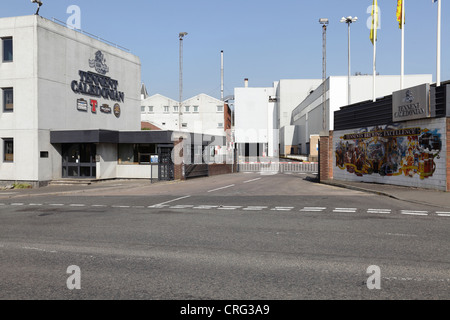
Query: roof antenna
[39, 3]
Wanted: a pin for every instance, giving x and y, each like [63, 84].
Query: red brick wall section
[178, 167]
[148, 126]
[324, 158]
[218, 169]
[448, 154]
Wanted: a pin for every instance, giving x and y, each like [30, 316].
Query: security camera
[39, 3]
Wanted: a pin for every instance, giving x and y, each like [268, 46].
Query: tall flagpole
[402, 72]
[438, 59]
[374, 39]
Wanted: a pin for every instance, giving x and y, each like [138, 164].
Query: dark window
[8, 99]
[7, 49]
[44, 154]
[8, 150]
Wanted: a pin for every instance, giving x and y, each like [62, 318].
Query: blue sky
[262, 40]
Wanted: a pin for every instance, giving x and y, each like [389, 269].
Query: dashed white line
[205, 207]
[181, 206]
[414, 213]
[56, 204]
[313, 209]
[379, 210]
[282, 208]
[226, 187]
[17, 204]
[99, 205]
[77, 205]
[229, 207]
[443, 214]
[255, 208]
[351, 210]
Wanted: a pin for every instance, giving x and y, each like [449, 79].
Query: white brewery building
[70, 108]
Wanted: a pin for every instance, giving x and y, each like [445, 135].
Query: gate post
[326, 156]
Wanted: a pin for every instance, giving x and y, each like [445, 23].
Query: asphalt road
[234, 237]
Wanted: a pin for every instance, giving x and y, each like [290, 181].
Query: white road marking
[313, 209]
[255, 208]
[443, 214]
[99, 205]
[56, 204]
[248, 181]
[17, 204]
[282, 208]
[77, 205]
[352, 210]
[414, 213]
[205, 207]
[229, 207]
[35, 204]
[163, 203]
[226, 187]
[379, 210]
[181, 206]
[38, 249]
[120, 206]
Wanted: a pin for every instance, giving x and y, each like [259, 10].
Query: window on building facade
[8, 150]
[187, 109]
[184, 125]
[8, 99]
[142, 109]
[7, 44]
[175, 108]
[220, 125]
[166, 108]
[219, 108]
[150, 109]
[136, 154]
[195, 108]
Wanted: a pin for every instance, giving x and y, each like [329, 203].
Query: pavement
[410, 194]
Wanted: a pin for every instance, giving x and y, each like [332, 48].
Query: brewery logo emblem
[105, 108]
[99, 63]
[117, 110]
[409, 97]
[82, 105]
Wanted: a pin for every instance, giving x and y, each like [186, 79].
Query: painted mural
[390, 151]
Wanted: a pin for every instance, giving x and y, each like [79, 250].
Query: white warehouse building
[307, 118]
[199, 114]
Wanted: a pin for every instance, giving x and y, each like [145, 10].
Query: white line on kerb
[252, 180]
[232, 185]
[162, 203]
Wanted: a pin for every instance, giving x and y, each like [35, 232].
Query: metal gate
[165, 165]
[280, 167]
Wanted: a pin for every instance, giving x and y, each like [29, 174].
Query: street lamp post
[349, 20]
[181, 36]
[324, 23]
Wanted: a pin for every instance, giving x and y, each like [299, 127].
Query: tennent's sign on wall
[98, 85]
[412, 103]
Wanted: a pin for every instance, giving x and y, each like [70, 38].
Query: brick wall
[218, 169]
[326, 156]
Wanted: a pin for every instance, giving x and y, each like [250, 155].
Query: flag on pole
[400, 13]
[375, 22]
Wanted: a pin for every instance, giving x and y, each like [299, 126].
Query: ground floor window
[8, 150]
[138, 154]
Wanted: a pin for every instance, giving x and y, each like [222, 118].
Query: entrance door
[79, 161]
[165, 166]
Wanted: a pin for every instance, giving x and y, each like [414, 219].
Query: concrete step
[68, 182]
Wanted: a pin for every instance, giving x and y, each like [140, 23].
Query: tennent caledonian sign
[98, 85]
[412, 103]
